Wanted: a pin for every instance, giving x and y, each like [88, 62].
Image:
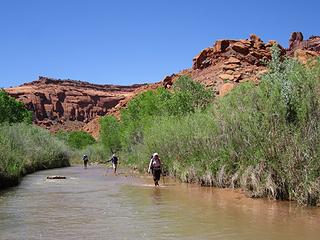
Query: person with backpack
[114, 161]
[155, 168]
[85, 160]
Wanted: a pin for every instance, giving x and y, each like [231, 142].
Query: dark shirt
[114, 160]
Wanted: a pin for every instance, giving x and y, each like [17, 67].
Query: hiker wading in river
[155, 167]
[85, 161]
[114, 161]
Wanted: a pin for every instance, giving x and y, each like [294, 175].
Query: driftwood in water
[56, 177]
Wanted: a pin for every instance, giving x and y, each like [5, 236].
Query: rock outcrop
[296, 42]
[230, 62]
[303, 50]
[68, 104]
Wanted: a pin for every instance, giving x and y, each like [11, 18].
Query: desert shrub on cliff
[12, 111]
[24, 149]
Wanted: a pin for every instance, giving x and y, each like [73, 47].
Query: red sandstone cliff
[67, 104]
[71, 105]
[230, 62]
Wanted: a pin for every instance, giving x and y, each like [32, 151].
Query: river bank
[25, 149]
[13, 180]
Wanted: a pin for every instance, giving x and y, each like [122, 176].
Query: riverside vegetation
[82, 143]
[25, 148]
[264, 139]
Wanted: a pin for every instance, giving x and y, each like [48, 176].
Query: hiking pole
[162, 176]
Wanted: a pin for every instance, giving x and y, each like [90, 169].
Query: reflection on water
[92, 205]
[156, 195]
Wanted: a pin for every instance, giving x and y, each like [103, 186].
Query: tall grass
[24, 149]
[264, 139]
[95, 152]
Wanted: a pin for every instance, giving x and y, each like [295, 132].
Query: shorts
[114, 165]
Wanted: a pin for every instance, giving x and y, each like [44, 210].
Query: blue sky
[133, 41]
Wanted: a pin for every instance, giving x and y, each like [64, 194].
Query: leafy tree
[143, 111]
[12, 111]
[188, 96]
[110, 133]
[76, 139]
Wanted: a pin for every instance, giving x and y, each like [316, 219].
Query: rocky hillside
[230, 62]
[68, 104]
[71, 105]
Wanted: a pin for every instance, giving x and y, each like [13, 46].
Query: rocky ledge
[230, 62]
[66, 104]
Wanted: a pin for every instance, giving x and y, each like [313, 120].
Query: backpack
[115, 159]
[156, 163]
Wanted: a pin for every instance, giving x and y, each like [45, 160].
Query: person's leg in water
[156, 176]
[85, 162]
[155, 181]
[114, 165]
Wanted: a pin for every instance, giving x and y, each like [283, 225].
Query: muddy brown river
[94, 204]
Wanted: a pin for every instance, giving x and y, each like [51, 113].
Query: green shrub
[77, 139]
[12, 111]
[95, 152]
[110, 134]
[25, 149]
[186, 97]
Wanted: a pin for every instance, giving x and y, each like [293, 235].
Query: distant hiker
[155, 167]
[85, 160]
[114, 161]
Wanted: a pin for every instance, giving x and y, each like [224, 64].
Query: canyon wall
[75, 105]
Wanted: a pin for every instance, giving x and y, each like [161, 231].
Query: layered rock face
[227, 63]
[67, 104]
[230, 62]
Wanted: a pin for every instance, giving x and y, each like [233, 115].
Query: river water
[94, 204]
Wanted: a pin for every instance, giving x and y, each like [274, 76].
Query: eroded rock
[67, 104]
[306, 56]
[295, 39]
[226, 88]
